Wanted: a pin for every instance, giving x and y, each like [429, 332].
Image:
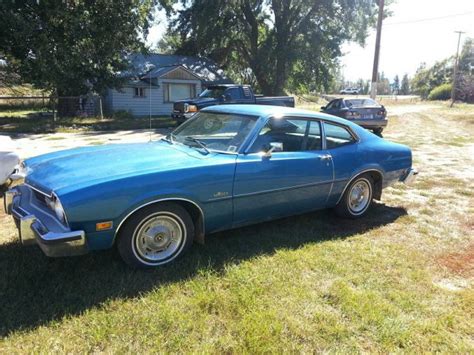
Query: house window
[173, 92]
[139, 92]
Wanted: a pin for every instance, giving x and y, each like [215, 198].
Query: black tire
[378, 131]
[345, 208]
[133, 243]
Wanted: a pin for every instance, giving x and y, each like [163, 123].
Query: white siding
[140, 106]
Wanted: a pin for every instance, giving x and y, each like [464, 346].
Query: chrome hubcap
[359, 196]
[158, 238]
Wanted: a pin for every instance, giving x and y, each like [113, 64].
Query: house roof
[159, 72]
[156, 65]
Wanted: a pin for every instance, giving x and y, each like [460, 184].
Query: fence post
[54, 110]
[100, 106]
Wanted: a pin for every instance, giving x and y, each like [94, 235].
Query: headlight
[192, 108]
[55, 205]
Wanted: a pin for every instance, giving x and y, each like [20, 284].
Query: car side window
[330, 105]
[290, 135]
[337, 136]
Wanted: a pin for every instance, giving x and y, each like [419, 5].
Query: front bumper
[410, 177]
[42, 228]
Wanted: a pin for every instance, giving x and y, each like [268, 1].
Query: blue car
[228, 166]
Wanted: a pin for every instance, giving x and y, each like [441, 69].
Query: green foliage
[441, 92]
[426, 79]
[288, 45]
[396, 84]
[383, 85]
[122, 115]
[405, 86]
[71, 47]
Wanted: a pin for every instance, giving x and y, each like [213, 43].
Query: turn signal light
[103, 226]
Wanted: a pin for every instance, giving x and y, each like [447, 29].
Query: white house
[157, 80]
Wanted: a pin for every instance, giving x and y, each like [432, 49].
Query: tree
[288, 44]
[396, 85]
[71, 47]
[426, 79]
[383, 84]
[405, 86]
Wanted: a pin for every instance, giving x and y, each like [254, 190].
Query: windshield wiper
[169, 138]
[198, 142]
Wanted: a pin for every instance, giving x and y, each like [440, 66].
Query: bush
[122, 115]
[442, 92]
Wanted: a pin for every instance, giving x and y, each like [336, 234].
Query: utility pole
[375, 70]
[455, 70]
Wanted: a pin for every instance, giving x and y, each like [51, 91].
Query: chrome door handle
[326, 157]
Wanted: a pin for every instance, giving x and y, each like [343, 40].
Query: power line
[428, 19]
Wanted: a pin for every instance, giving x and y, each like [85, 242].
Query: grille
[41, 198]
[178, 107]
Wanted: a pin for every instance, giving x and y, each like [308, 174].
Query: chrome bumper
[410, 178]
[62, 242]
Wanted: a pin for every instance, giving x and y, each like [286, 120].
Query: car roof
[267, 110]
[226, 86]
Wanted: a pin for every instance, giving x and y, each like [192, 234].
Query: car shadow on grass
[35, 290]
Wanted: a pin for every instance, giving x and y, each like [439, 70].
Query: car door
[296, 177]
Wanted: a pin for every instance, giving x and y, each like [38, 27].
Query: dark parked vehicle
[225, 94]
[365, 112]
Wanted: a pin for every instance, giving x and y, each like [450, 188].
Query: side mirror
[323, 107]
[273, 147]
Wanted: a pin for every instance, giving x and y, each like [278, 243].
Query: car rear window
[361, 103]
[337, 136]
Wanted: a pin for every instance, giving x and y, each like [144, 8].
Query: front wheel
[156, 235]
[357, 198]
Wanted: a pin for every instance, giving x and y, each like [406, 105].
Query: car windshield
[361, 103]
[214, 93]
[213, 131]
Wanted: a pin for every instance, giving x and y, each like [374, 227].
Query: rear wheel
[156, 235]
[357, 198]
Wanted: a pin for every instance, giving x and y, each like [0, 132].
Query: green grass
[310, 283]
[37, 121]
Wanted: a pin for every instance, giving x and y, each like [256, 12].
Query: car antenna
[151, 67]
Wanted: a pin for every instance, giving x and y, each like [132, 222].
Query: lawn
[400, 279]
[24, 120]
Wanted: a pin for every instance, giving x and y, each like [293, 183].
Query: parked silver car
[9, 160]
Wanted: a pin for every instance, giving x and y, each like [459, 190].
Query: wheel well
[378, 180]
[194, 211]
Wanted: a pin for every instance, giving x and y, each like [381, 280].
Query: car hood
[69, 170]
[200, 101]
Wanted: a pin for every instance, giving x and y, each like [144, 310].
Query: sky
[418, 31]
